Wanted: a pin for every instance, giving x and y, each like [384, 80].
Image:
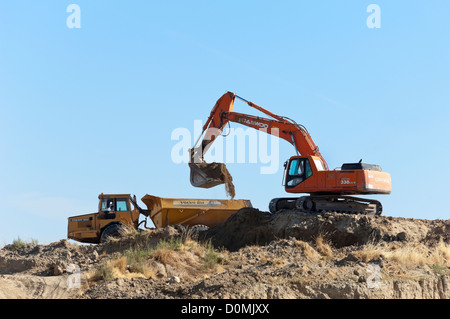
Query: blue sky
[91, 110]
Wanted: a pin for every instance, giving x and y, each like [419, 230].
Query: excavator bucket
[207, 175]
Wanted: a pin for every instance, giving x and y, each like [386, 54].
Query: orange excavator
[307, 172]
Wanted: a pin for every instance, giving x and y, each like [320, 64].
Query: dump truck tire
[113, 231]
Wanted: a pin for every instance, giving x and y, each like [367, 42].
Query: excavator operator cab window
[299, 170]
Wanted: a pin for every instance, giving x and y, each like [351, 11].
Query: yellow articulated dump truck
[119, 213]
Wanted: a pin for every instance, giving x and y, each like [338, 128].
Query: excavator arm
[208, 175]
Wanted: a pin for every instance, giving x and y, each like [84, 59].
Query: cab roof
[113, 195]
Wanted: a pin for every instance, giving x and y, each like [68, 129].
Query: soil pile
[250, 226]
[253, 254]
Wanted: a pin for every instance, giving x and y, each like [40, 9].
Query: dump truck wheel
[113, 231]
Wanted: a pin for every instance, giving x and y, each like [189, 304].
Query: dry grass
[323, 247]
[410, 254]
[112, 269]
[308, 251]
[181, 255]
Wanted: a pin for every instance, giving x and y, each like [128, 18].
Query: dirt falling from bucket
[229, 186]
[219, 171]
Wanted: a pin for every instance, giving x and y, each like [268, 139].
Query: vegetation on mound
[179, 256]
[19, 243]
[173, 256]
[409, 254]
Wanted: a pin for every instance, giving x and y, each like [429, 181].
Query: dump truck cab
[114, 203]
[115, 215]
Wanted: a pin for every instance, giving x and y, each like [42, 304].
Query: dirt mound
[42, 271]
[253, 254]
[294, 269]
[250, 226]
[144, 239]
[297, 255]
[45, 260]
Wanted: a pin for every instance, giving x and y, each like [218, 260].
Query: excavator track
[316, 204]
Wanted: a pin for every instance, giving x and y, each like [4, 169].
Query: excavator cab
[298, 170]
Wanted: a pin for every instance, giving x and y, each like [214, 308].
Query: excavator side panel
[378, 182]
[345, 182]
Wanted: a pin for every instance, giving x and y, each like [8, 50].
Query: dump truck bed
[174, 211]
